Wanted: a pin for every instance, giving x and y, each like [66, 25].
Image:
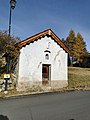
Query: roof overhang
[48, 33]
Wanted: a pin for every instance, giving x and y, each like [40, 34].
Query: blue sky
[34, 16]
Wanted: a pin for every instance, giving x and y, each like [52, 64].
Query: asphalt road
[60, 106]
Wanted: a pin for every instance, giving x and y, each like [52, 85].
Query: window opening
[47, 56]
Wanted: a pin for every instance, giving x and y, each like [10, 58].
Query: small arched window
[47, 56]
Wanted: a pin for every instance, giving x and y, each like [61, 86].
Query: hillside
[79, 77]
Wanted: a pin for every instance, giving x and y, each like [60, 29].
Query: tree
[9, 47]
[70, 40]
[7, 43]
[79, 47]
[64, 41]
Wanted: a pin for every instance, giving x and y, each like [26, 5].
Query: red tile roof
[48, 33]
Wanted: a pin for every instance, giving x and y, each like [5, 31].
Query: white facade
[43, 52]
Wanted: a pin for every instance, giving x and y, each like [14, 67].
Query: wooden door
[45, 73]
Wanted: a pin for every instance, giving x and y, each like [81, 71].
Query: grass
[79, 77]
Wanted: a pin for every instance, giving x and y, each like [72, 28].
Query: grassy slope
[79, 77]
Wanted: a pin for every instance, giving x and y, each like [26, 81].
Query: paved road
[60, 106]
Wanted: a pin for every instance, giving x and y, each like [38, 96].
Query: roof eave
[40, 35]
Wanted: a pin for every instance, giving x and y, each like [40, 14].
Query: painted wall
[32, 57]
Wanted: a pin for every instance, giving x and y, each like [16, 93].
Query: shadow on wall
[2, 117]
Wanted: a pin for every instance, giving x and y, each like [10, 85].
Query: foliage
[8, 46]
[70, 40]
[64, 41]
[76, 44]
[79, 47]
[86, 61]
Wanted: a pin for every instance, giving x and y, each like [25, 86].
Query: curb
[38, 93]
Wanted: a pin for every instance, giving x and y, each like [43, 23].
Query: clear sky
[33, 16]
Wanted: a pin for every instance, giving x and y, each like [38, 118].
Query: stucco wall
[32, 57]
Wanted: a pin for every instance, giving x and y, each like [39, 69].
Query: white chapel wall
[32, 57]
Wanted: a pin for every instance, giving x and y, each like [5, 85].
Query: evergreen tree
[64, 41]
[79, 47]
[70, 40]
